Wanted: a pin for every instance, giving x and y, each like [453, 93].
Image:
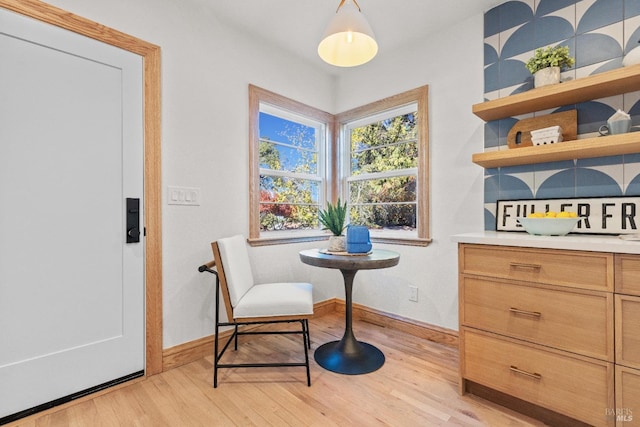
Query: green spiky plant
[333, 217]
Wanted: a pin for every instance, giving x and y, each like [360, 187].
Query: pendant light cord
[357, 5]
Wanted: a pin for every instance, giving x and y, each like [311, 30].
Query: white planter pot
[337, 244]
[546, 76]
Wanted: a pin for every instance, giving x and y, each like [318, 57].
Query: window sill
[416, 241]
[283, 238]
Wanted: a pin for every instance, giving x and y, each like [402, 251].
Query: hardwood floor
[417, 386]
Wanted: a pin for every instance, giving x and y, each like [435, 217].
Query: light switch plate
[188, 196]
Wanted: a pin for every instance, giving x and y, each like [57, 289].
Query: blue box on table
[358, 239]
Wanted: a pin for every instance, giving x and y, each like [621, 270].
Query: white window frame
[331, 162]
[261, 100]
[407, 102]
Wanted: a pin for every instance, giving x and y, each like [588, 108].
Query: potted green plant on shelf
[546, 64]
[333, 219]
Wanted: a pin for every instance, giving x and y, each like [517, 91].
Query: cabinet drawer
[628, 331]
[627, 274]
[588, 270]
[573, 320]
[627, 410]
[578, 387]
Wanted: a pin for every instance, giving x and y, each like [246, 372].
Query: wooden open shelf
[609, 83]
[612, 145]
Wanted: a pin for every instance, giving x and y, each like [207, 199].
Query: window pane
[288, 203]
[290, 190]
[389, 144]
[384, 203]
[286, 158]
[286, 131]
[384, 190]
[282, 216]
[387, 216]
[286, 145]
[403, 155]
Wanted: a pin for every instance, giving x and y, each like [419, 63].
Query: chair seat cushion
[276, 299]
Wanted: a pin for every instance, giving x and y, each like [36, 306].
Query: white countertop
[580, 242]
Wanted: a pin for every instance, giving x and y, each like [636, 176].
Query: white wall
[451, 63]
[206, 69]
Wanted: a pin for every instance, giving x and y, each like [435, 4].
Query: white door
[71, 151]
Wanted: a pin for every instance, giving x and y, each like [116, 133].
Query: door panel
[71, 151]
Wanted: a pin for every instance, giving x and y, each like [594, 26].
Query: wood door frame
[152, 153]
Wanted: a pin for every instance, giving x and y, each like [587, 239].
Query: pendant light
[348, 40]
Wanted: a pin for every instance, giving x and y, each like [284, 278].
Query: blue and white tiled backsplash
[599, 33]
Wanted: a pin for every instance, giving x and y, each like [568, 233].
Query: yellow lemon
[551, 214]
[564, 215]
[535, 215]
[573, 214]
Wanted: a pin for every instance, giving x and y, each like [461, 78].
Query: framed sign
[599, 215]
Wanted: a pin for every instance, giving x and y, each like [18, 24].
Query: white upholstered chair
[250, 303]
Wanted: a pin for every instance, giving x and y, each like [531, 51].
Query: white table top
[580, 242]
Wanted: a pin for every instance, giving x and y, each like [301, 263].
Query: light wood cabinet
[613, 82]
[584, 270]
[626, 411]
[627, 274]
[567, 319]
[540, 375]
[628, 331]
[538, 325]
[627, 326]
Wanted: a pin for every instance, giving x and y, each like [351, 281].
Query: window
[384, 168]
[287, 150]
[380, 168]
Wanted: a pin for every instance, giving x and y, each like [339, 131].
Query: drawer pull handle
[525, 373]
[527, 266]
[525, 312]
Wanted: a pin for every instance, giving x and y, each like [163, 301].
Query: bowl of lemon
[549, 223]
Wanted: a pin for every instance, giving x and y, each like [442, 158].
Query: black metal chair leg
[307, 345]
[236, 339]
[306, 323]
[215, 362]
[217, 334]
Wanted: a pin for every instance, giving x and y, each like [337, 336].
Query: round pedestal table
[349, 356]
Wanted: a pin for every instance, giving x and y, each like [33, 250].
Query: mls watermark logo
[619, 414]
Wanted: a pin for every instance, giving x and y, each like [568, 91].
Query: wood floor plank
[417, 386]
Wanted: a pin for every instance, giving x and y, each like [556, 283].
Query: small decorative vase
[546, 76]
[337, 244]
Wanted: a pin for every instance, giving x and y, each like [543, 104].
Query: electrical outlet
[413, 293]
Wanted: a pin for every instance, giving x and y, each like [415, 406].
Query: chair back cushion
[237, 269]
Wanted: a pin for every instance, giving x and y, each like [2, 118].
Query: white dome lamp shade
[348, 40]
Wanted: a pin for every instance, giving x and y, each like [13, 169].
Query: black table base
[362, 358]
[349, 356]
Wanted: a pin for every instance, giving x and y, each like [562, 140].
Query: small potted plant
[546, 64]
[333, 219]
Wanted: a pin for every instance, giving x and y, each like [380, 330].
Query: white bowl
[548, 226]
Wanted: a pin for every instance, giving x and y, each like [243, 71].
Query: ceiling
[297, 25]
